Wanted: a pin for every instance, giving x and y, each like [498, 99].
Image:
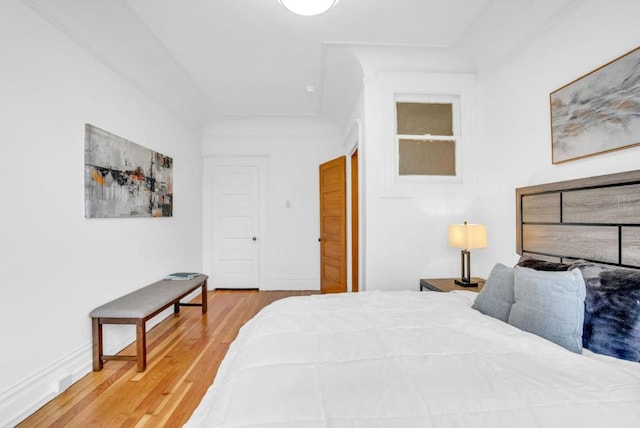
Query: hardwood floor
[184, 353]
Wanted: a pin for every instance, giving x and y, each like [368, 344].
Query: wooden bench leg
[97, 344]
[141, 345]
[203, 297]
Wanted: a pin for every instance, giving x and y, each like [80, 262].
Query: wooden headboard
[595, 218]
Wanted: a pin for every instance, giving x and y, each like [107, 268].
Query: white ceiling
[209, 58]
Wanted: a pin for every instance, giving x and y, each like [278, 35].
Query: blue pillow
[496, 297]
[550, 304]
[612, 310]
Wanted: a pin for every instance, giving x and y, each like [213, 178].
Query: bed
[411, 359]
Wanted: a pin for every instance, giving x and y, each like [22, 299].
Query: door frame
[208, 163]
[354, 203]
[352, 141]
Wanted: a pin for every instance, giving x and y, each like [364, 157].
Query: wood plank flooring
[183, 355]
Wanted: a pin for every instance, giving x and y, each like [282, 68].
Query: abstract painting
[124, 179]
[599, 112]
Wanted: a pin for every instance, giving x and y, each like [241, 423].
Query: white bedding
[408, 359]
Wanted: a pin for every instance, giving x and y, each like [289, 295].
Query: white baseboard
[290, 284]
[21, 400]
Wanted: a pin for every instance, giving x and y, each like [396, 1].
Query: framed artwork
[124, 179]
[598, 112]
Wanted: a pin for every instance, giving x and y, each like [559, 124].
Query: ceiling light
[308, 7]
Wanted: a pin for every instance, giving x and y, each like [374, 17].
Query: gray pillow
[496, 297]
[550, 304]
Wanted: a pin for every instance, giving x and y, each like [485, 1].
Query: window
[427, 137]
[421, 124]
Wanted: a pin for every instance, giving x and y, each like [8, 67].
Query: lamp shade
[308, 7]
[468, 236]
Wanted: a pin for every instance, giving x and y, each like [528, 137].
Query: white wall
[405, 226]
[56, 265]
[293, 148]
[352, 140]
[513, 120]
[510, 143]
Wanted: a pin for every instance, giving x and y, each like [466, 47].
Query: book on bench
[181, 275]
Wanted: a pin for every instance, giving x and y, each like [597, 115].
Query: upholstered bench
[137, 308]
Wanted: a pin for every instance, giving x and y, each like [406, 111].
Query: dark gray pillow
[529, 262]
[496, 297]
[550, 304]
[612, 310]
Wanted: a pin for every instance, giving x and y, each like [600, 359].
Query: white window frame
[454, 100]
[407, 86]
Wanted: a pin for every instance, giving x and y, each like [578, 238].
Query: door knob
[254, 239]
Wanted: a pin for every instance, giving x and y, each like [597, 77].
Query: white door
[235, 208]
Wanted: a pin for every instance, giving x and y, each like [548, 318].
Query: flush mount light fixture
[308, 7]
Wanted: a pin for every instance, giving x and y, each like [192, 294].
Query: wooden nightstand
[448, 284]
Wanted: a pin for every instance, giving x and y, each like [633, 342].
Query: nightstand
[448, 284]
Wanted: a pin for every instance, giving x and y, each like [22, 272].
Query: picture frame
[124, 179]
[598, 112]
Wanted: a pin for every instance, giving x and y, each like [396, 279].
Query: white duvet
[408, 359]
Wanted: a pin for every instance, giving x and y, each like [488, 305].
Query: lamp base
[465, 275]
[465, 283]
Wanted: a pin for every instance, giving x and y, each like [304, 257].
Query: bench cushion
[147, 300]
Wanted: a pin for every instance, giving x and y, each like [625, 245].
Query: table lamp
[467, 237]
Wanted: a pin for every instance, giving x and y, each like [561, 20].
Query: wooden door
[235, 226]
[333, 226]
